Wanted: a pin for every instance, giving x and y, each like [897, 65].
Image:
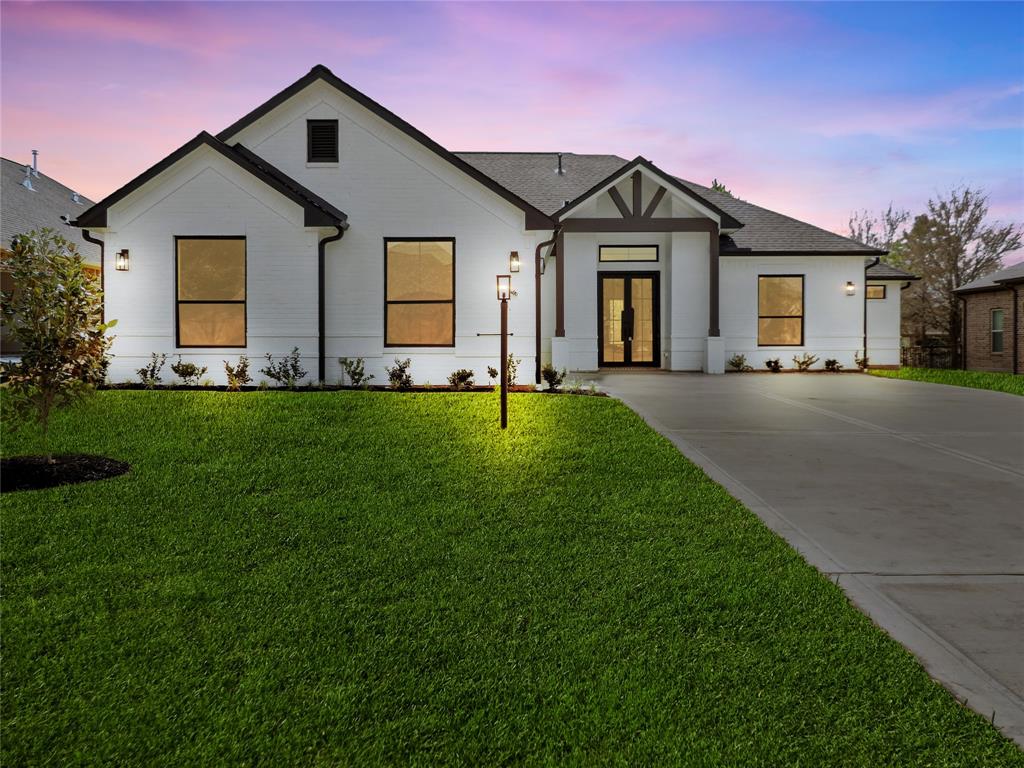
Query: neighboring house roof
[534, 176]
[23, 210]
[318, 212]
[883, 271]
[535, 219]
[996, 281]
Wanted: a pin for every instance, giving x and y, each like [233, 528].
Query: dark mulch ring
[31, 473]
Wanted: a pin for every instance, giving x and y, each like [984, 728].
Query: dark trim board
[178, 302]
[432, 301]
[535, 219]
[317, 211]
[639, 225]
[655, 319]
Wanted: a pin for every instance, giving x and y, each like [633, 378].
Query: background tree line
[949, 244]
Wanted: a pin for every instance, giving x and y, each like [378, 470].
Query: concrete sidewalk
[910, 494]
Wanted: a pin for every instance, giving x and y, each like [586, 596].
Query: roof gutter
[321, 299]
[874, 263]
[96, 241]
[536, 299]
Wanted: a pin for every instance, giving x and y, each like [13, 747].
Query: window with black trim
[419, 292]
[780, 310]
[627, 253]
[875, 291]
[322, 141]
[997, 330]
[210, 291]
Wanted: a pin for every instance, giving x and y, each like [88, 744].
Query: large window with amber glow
[780, 310]
[210, 288]
[419, 293]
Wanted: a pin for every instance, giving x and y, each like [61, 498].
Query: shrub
[461, 379]
[739, 363]
[492, 372]
[287, 371]
[63, 342]
[861, 361]
[357, 377]
[833, 365]
[238, 375]
[399, 377]
[150, 373]
[773, 365]
[805, 361]
[513, 369]
[189, 373]
[552, 377]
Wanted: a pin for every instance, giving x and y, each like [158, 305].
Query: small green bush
[833, 365]
[399, 377]
[461, 379]
[773, 364]
[357, 377]
[149, 374]
[238, 375]
[805, 361]
[189, 373]
[739, 363]
[552, 376]
[287, 371]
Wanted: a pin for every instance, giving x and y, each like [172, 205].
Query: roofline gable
[535, 218]
[318, 212]
[727, 221]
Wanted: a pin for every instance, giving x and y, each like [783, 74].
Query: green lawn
[999, 382]
[375, 578]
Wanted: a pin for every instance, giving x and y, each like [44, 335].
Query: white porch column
[714, 355]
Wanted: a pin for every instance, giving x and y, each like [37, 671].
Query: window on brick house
[997, 330]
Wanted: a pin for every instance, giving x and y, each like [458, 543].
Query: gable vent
[322, 141]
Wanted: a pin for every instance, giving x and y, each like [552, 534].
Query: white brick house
[322, 220]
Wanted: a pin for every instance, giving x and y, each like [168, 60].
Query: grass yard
[376, 578]
[998, 382]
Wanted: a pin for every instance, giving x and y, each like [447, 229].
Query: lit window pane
[780, 296]
[628, 253]
[876, 291]
[211, 325]
[430, 324]
[211, 270]
[779, 330]
[420, 271]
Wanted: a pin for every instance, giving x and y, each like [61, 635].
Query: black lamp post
[504, 293]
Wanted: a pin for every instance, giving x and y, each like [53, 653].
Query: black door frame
[628, 293]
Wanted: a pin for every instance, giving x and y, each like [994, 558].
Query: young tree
[55, 311]
[718, 186]
[949, 245]
[882, 231]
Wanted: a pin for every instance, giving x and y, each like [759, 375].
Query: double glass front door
[628, 323]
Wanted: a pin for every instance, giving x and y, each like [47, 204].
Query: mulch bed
[30, 473]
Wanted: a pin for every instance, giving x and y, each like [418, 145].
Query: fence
[927, 357]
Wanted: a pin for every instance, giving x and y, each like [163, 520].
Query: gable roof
[883, 271]
[727, 221]
[23, 210]
[318, 212]
[997, 281]
[535, 218]
[763, 232]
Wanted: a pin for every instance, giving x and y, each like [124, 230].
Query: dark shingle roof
[22, 210]
[883, 271]
[532, 176]
[995, 281]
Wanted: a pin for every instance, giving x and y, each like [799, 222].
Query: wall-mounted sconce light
[513, 261]
[543, 265]
[851, 288]
[121, 261]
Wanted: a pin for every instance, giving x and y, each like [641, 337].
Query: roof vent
[35, 163]
[27, 181]
[76, 199]
[560, 170]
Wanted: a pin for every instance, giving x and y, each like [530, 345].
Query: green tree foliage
[55, 312]
[718, 186]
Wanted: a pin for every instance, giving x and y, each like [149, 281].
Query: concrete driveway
[910, 494]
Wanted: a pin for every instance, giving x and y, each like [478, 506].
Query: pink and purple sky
[814, 110]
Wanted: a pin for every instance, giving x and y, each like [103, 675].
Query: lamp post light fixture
[851, 288]
[513, 261]
[504, 294]
[121, 261]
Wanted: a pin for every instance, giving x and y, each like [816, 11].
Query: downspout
[1016, 328]
[963, 333]
[96, 241]
[321, 301]
[865, 302]
[536, 296]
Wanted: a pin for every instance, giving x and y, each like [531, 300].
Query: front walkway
[910, 495]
